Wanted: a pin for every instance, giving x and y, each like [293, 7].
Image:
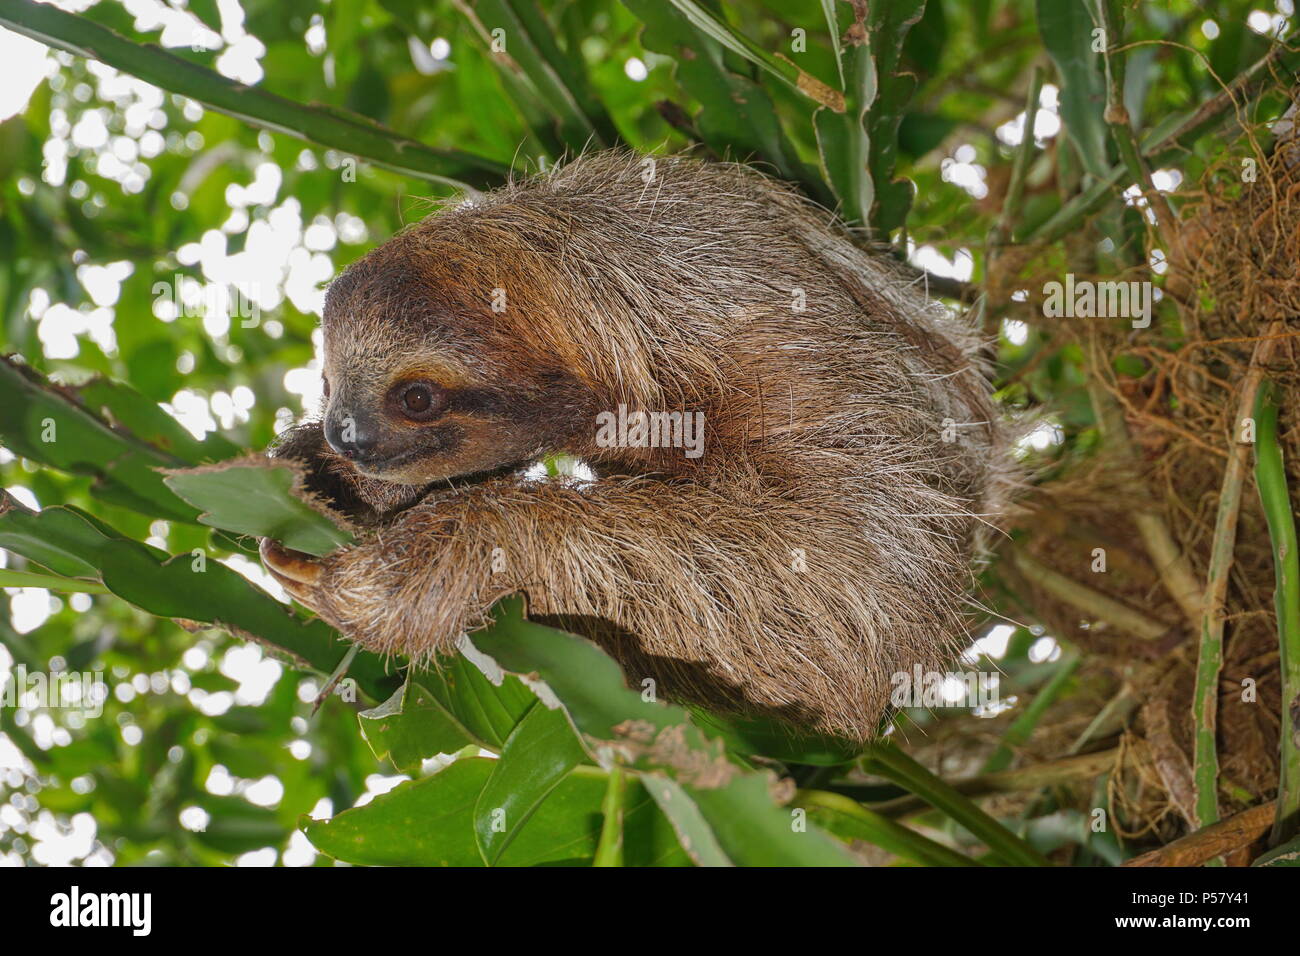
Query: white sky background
[283, 259]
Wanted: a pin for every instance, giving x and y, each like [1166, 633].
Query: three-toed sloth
[818, 541]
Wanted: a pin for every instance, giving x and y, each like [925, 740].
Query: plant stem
[1270, 478]
[1205, 701]
[1167, 558]
[848, 819]
[1091, 602]
[884, 759]
[1121, 129]
[1240, 91]
[1212, 841]
[1024, 725]
[1057, 772]
[1019, 166]
[609, 851]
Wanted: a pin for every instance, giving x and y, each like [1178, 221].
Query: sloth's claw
[293, 566]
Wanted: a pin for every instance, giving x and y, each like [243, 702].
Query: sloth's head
[423, 381]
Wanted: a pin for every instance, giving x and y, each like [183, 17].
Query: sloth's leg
[776, 604]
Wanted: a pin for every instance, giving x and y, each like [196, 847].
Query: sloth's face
[421, 387]
[420, 423]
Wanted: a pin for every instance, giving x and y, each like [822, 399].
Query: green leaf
[833, 27]
[411, 727]
[536, 756]
[182, 587]
[488, 707]
[1066, 27]
[737, 118]
[843, 142]
[859, 147]
[324, 126]
[31, 579]
[259, 496]
[753, 736]
[693, 831]
[888, 761]
[430, 822]
[1288, 854]
[49, 425]
[124, 407]
[723, 34]
[558, 80]
[619, 727]
[850, 820]
[566, 827]
[425, 822]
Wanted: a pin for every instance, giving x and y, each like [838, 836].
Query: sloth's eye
[420, 401]
[417, 399]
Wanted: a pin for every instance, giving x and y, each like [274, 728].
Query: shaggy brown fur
[821, 543]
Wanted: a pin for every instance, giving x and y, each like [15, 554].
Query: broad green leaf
[258, 496]
[489, 708]
[425, 822]
[180, 587]
[430, 822]
[619, 726]
[49, 425]
[411, 727]
[566, 827]
[124, 407]
[537, 755]
[859, 146]
[694, 834]
[1067, 29]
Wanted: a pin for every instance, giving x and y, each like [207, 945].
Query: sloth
[792, 456]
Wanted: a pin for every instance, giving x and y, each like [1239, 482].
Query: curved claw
[295, 566]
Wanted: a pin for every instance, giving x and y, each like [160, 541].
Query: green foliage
[138, 530]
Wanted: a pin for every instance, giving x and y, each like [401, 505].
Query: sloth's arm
[773, 602]
[652, 558]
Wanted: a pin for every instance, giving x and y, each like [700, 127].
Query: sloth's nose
[352, 436]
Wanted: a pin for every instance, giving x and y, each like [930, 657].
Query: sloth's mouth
[380, 467]
[382, 470]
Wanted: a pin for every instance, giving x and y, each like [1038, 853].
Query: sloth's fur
[823, 542]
